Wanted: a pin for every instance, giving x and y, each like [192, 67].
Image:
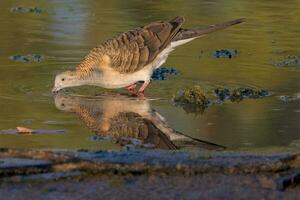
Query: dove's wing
[132, 50]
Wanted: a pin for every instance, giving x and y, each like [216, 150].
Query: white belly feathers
[113, 79]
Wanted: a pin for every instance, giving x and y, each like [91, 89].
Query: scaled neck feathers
[90, 63]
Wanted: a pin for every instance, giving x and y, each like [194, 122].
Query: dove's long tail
[189, 34]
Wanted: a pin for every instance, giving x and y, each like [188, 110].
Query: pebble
[163, 72]
[225, 53]
[96, 138]
[28, 58]
[34, 10]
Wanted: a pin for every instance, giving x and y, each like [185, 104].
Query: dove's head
[64, 80]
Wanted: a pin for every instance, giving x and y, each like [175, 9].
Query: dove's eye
[63, 79]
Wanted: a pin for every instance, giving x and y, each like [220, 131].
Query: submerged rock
[290, 61]
[28, 58]
[225, 53]
[163, 72]
[34, 10]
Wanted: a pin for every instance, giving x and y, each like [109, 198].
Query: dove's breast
[113, 79]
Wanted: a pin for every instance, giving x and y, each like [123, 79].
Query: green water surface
[67, 29]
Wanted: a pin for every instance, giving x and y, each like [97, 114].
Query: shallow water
[66, 30]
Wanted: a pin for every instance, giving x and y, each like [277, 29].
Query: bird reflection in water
[127, 121]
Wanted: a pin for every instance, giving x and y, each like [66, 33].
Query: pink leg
[131, 88]
[143, 87]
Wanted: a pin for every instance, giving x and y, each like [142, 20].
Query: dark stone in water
[34, 10]
[225, 53]
[239, 94]
[194, 100]
[163, 72]
[96, 138]
[290, 61]
[222, 93]
[28, 58]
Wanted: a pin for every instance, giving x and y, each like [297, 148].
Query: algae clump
[192, 96]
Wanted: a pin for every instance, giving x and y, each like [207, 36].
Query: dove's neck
[88, 79]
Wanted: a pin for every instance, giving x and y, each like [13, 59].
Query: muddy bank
[148, 174]
[214, 186]
[13, 162]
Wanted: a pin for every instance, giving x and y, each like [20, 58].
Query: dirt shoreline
[43, 174]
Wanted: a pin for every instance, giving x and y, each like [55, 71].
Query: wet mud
[148, 174]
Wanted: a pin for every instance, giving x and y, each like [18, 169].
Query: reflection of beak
[56, 89]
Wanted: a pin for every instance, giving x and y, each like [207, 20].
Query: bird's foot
[143, 87]
[140, 93]
[131, 88]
